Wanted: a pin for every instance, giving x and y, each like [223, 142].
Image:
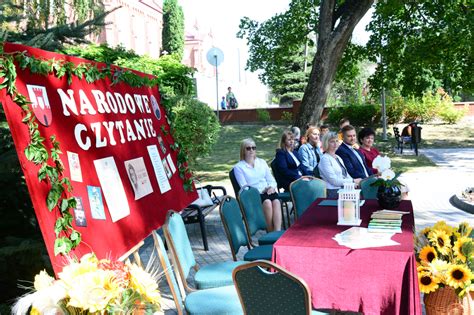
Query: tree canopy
[50, 24]
[173, 28]
[422, 44]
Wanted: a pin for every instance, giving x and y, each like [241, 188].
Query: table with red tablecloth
[381, 280]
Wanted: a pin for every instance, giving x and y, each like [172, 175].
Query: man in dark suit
[353, 160]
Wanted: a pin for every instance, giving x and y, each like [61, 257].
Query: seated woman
[296, 135]
[366, 139]
[286, 163]
[309, 153]
[331, 167]
[253, 171]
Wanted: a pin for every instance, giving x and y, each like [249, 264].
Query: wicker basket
[445, 301]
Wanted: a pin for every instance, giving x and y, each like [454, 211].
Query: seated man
[353, 159]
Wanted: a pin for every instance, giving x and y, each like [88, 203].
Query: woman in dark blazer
[287, 163]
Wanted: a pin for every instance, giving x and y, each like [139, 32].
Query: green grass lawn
[225, 153]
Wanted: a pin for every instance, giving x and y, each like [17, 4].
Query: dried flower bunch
[92, 286]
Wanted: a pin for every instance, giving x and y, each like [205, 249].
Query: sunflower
[442, 226]
[458, 248]
[440, 240]
[427, 282]
[427, 254]
[464, 229]
[425, 231]
[458, 276]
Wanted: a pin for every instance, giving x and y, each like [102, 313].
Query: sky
[222, 19]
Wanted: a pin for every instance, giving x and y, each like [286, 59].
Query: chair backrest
[178, 242]
[369, 192]
[252, 210]
[304, 191]
[168, 271]
[396, 132]
[276, 174]
[234, 182]
[264, 292]
[233, 225]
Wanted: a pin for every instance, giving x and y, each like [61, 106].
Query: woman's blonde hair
[326, 138]
[285, 135]
[243, 145]
[309, 131]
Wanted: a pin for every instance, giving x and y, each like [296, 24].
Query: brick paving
[429, 192]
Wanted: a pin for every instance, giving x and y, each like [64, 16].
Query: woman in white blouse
[331, 167]
[253, 171]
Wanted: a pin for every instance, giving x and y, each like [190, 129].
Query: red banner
[115, 146]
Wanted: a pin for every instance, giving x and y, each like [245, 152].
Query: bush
[359, 115]
[196, 128]
[423, 109]
[287, 117]
[395, 107]
[263, 115]
[451, 115]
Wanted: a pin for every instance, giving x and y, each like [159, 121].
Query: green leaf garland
[51, 166]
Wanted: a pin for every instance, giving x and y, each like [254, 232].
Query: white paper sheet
[160, 173]
[74, 166]
[359, 237]
[171, 163]
[112, 186]
[138, 177]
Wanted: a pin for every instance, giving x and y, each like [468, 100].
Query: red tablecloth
[380, 280]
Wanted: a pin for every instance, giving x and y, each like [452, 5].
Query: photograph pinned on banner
[171, 163]
[95, 200]
[74, 166]
[160, 173]
[167, 168]
[112, 186]
[138, 177]
[79, 213]
[162, 145]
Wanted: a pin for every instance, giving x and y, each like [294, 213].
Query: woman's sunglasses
[251, 148]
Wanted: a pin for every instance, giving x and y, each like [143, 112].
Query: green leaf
[62, 246]
[64, 205]
[59, 226]
[75, 238]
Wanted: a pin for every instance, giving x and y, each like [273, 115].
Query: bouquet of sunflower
[445, 258]
[93, 286]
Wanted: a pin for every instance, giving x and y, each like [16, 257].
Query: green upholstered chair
[236, 232]
[215, 301]
[208, 276]
[304, 191]
[271, 292]
[368, 192]
[254, 219]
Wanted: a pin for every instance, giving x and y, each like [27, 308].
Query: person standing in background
[230, 99]
[223, 103]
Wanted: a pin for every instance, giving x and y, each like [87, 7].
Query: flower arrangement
[445, 257]
[387, 177]
[92, 286]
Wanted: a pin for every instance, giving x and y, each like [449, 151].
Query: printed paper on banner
[74, 166]
[138, 177]
[160, 174]
[96, 203]
[114, 192]
[171, 163]
[79, 213]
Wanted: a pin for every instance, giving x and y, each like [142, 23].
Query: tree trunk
[334, 31]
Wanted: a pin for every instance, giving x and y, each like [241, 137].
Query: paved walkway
[429, 192]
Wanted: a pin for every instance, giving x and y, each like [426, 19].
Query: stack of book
[387, 221]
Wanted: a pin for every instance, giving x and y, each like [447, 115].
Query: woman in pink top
[366, 139]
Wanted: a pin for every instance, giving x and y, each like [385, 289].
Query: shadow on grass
[225, 153]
